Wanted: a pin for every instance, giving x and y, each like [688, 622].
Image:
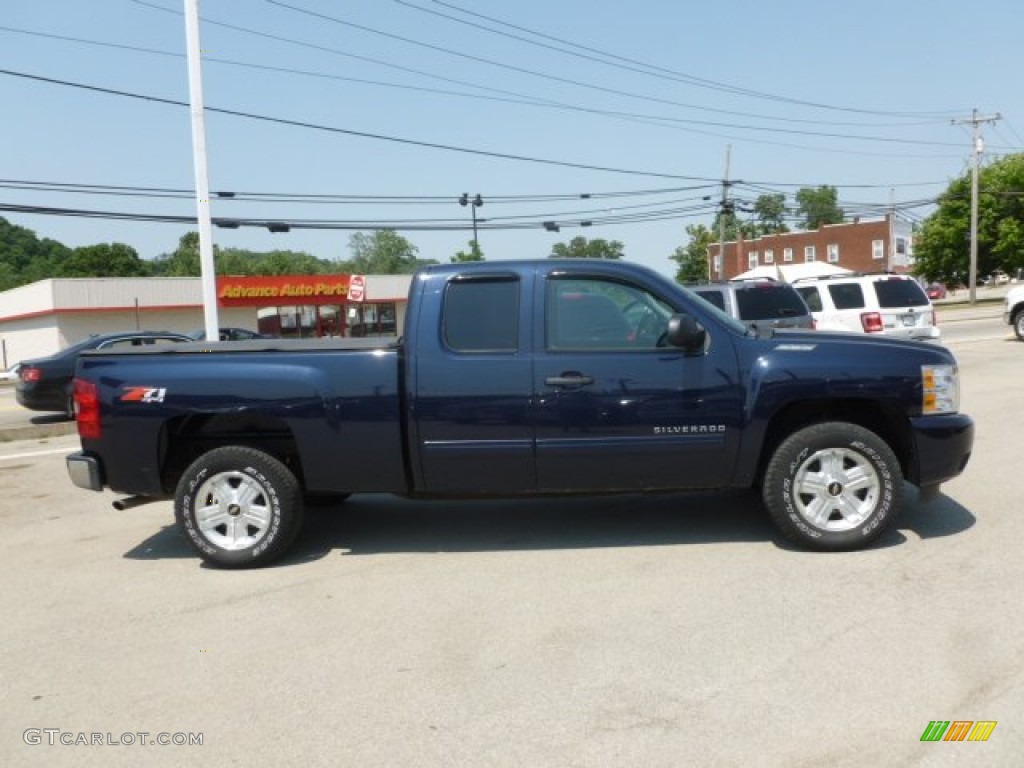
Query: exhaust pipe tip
[131, 501]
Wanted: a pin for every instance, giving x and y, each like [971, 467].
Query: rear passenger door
[473, 381]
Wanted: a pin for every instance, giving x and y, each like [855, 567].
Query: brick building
[876, 245]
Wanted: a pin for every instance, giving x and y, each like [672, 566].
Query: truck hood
[847, 345]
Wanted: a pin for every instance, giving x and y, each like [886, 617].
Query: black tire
[833, 486]
[238, 507]
[1018, 324]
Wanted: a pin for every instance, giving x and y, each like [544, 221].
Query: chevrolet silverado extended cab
[515, 379]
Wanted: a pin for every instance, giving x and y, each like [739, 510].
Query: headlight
[941, 385]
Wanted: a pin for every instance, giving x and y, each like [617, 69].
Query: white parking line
[36, 453]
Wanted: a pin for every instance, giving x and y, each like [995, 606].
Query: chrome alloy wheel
[232, 510]
[836, 489]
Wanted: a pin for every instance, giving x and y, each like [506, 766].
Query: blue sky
[645, 95]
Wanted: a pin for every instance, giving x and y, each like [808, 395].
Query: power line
[614, 91]
[661, 121]
[285, 224]
[702, 82]
[359, 134]
[279, 197]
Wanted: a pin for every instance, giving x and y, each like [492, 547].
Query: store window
[330, 320]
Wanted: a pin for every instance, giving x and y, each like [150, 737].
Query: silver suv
[758, 303]
[892, 305]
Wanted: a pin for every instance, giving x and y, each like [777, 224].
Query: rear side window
[847, 296]
[712, 297]
[482, 315]
[900, 293]
[811, 297]
[768, 302]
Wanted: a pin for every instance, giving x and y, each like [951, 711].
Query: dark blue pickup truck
[514, 379]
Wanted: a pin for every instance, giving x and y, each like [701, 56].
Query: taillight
[29, 374]
[87, 409]
[871, 322]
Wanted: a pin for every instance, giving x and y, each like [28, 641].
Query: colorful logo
[958, 730]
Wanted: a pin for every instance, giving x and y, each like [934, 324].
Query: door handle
[569, 380]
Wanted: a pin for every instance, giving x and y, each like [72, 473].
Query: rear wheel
[1018, 324]
[238, 507]
[833, 486]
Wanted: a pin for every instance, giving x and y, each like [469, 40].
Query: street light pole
[475, 202]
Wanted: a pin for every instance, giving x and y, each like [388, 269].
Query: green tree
[770, 213]
[692, 258]
[385, 252]
[103, 260]
[24, 258]
[184, 260]
[942, 247]
[581, 248]
[818, 206]
[473, 254]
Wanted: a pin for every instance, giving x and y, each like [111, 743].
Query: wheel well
[186, 438]
[884, 420]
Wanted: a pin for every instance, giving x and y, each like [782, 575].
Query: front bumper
[942, 448]
[85, 471]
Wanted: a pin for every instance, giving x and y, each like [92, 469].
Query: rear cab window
[482, 315]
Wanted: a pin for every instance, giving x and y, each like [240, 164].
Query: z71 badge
[143, 395]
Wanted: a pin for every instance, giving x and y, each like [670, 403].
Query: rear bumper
[85, 471]
[942, 446]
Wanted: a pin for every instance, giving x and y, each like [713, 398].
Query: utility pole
[976, 121]
[207, 268]
[725, 206]
[474, 203]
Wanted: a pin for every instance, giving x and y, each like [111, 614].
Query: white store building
[42, 318]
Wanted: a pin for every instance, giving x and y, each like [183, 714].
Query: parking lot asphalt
[641, 630]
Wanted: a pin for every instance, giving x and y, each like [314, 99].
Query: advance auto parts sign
[269, 291]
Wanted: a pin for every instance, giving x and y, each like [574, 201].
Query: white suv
[1013, 311]
[893, 305]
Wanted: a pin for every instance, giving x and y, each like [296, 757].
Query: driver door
[615, 409]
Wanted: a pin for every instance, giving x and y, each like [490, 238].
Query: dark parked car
[44, 384]
[229, 334]
[758, 303]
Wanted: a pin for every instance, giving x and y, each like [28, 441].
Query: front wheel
[833, 486]
[1018, 325]
[238, 507]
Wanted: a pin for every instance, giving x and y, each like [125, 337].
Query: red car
[936, 291]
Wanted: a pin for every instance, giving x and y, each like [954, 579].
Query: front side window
[482, 315]
[592, 313]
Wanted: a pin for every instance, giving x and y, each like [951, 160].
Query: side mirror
[686, 333]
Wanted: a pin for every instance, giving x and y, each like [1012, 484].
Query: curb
[38, 431]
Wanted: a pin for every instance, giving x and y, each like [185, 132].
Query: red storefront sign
[357, 288]
[277, 290]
